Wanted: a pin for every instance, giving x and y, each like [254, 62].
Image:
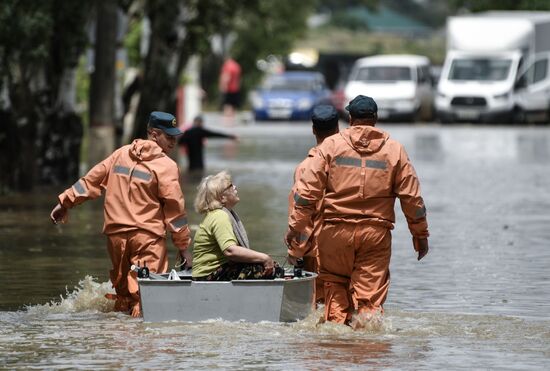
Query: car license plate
[279, 113]
[467, 114]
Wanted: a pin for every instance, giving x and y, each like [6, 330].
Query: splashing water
[88, 295]
[372, 324]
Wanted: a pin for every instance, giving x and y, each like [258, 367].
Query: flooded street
[479, 300]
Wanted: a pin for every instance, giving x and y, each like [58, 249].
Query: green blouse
[215, 234]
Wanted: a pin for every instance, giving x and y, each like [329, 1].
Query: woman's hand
[243, 255]
[269, 265]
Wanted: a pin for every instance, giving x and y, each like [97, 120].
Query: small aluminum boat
[168, 298]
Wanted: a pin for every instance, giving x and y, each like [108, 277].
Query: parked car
[289, 96]
[338, 99]
[401, 85]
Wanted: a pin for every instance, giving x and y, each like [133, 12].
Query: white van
[532, 91]
[486, 52]
[401, 85]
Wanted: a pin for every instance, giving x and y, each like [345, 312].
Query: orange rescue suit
[306, 246]
[358, 174]
[143, 199]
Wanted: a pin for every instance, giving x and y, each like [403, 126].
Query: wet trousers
[129, 248]
[354, 265]
[311, 264]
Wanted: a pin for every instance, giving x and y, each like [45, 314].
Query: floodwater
[479, 300]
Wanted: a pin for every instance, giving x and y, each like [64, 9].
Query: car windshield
[277, 83]
[482, 69]
[384, 74]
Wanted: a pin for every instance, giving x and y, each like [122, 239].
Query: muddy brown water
[479, 300]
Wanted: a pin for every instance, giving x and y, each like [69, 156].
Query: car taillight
[338, 99]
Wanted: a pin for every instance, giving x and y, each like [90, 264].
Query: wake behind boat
[176, 297]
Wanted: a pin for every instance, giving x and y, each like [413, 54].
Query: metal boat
[176, 297]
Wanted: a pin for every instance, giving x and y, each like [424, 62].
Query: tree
[270, 27]
[181, 29]
[102, 86]
[40, 42]
[40, 46]
[161, 73]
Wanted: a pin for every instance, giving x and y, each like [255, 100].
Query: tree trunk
[9, 152]
[163, 63]
[102, 85]
[26, 115]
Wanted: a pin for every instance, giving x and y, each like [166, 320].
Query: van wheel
[415, 116]
[442, 118]
[518, 116]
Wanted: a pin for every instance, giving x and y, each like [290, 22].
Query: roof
[385, 19]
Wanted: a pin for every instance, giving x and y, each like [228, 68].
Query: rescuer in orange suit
[143, 199]
[325, 124]
[358, 173]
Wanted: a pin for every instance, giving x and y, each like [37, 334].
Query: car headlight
[404, 104]
[257, 101]
[304, 104]
[441, 95]
[504, 96]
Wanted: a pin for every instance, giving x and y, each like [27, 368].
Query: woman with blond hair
[221, 251]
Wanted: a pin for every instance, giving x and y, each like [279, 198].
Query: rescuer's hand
[291, 259]
[185, 259]
[59, 214]
[290, 235]
[421, 246]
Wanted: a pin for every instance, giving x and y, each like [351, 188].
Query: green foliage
[267, 27]
[25, 30]
[211, 17]
[259, 28]
[41, 37]
[132, 42]
[82, 84]
[39, 41]
[29, 30]
[69, 37]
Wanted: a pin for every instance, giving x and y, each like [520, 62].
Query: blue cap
[324, 117]
[362, 107]
[165, 122]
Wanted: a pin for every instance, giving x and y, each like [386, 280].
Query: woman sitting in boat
[221, 251]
